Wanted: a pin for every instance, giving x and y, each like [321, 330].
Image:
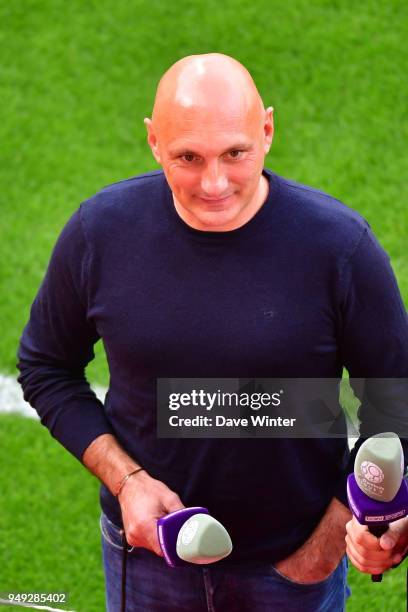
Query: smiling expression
[210, 133]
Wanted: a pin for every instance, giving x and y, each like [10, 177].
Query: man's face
[213, 163]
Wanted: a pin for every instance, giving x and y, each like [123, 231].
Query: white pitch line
[11, 397]
[6, 602]
[12, 400]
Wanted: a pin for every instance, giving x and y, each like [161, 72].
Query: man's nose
[214, 181]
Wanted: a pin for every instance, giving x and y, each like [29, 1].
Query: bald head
[211, 83]
[210, 133]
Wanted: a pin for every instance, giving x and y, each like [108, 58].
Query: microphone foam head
[379, 466]
[202, 539]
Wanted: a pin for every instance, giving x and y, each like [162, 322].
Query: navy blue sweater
[171, 301]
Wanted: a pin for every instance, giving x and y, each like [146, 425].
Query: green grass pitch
[76, 80]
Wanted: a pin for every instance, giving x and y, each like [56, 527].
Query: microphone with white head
[377, 491]
[191, 535]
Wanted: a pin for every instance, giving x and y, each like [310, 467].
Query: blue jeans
[152, 586]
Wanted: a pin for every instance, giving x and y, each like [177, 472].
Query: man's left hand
[319, 556]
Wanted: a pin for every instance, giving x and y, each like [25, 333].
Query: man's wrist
[327, 542]
[332, 528]
[107, 460]
[121, 483]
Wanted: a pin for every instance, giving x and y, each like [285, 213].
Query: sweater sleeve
[57, 344]
[374, 345]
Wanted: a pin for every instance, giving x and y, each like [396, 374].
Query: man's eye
[188, 157]
[236, 154]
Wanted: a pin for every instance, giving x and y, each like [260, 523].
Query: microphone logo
[371, 472]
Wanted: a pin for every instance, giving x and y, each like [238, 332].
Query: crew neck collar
[247, 229]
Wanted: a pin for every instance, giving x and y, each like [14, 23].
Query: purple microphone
[377, 492]
[191, 535]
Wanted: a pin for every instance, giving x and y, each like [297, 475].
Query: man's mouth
[216, 200]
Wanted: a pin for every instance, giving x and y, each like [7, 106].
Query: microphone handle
[377, 530]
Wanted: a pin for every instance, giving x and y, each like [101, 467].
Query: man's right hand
[143, 500]
[376, 555]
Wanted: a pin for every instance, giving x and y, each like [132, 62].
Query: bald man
[214, 267]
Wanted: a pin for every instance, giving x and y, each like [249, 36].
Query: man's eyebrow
[239, 146]
[182, 151]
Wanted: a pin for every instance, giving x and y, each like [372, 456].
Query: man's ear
[268, 129]
[152, 139]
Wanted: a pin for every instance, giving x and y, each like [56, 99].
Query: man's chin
[216, 220]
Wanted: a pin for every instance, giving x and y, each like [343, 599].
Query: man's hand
[373, 555]
[143, 500]
[319, 556]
